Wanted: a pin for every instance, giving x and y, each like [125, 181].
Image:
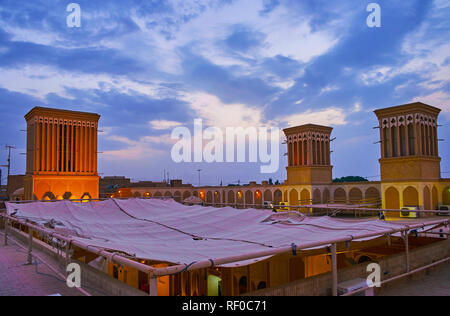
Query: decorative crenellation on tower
[309, 154]
[61, 154]
[409, 142]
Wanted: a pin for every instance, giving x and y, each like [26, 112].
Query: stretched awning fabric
[166, 231]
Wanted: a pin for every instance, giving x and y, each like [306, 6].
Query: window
[412, 139]
[243, 285]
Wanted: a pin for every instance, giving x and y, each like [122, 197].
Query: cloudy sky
[148, 66]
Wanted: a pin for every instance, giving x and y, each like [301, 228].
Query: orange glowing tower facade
[309, 155]
[61, 155]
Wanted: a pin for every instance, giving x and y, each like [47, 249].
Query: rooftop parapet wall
[391, 266]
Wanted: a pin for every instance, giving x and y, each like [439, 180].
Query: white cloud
[426, 52]
[39, 80]
[215, 113]
[31, 35]
[286, 33]
[438, 99]
[377, 75]
[328, 117]
[163, 124]
[357, 107]
[329, 88]
[285, 85]
[136, 150]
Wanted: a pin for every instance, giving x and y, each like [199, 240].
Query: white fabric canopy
[170, 232]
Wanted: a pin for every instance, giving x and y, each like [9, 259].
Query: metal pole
[334, 269]
[153, 288]
[30, 247]
[67, 254]
[199, 182]
[406, 238]
[9, 168]
[6, 232]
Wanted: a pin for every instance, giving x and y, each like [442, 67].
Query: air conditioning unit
[355, 285]
[444, 208]
[406, 212]
[268, 204]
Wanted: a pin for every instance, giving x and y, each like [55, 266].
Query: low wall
[391, 266]
[90, 276]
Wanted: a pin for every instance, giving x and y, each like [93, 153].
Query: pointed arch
[305, 197]
[49, 196]
[410, 196]
[258, 198]
[209, 197]
[268, 196]
[392, 197]
[326, 196]
[136, 194]
[434, 198]
[177, 196]
[372, 194]
[248, 197]
[317, 197]
[186, 195]
[239, 198]
[340, 196]
[231, 199]
[426, 198]
[277, 197]
[446, 196]
[217, 199]
[293, 197]
[355, 195]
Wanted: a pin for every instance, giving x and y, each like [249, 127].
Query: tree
[350, 179]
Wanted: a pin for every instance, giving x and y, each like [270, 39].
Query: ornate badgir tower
[61, 155]
[410, 162]
[309, 155]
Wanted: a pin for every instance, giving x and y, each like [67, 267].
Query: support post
[67, 255]
[334, 269]
[6, 232]
[153, 286]
[30, 247]
[406, 238]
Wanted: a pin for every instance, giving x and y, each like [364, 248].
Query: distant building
[109, 185]
[16, 187]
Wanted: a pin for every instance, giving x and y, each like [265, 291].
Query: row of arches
[338, 196]
[222, 197]
[50, 196]
[295, 196]
[410, 197]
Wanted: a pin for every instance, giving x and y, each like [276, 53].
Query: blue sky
[147, 66]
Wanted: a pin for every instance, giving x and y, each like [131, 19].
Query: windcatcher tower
[410, 162]
[409, 143]
[61, 155]
[309, 155]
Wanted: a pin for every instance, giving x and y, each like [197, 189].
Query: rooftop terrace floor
[436, 283]
[18, 279]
